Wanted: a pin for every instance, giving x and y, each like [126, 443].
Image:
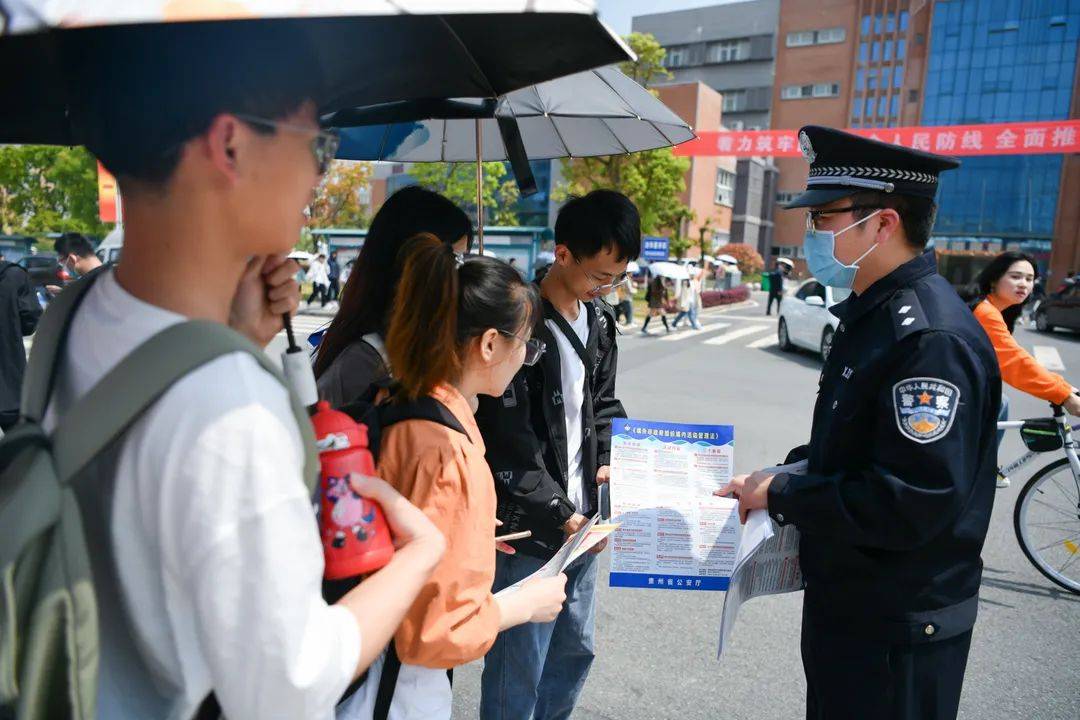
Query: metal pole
[479, 188]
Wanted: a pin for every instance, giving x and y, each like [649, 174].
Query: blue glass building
[1001, 61]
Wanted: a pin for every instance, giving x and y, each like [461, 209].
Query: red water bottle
[355, 536]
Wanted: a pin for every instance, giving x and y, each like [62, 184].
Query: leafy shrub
[712, 298]
[749, 259]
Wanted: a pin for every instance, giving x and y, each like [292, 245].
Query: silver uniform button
[835, 403]
[929, 630]
[780, 517]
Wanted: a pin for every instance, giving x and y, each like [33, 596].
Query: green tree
[49, 189]
[655, 179]
[338, 202]
[457, 181]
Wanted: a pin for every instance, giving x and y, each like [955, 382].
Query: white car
[805, 320]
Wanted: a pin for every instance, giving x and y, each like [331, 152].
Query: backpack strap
[49, 341]
[425, 408]
[375, 340]
[129, 389]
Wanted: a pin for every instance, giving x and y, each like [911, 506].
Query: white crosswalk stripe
[764, 342]
[736, 334]
[1049, 357]
[689, 334]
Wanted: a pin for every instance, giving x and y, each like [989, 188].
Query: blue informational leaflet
[673, 532]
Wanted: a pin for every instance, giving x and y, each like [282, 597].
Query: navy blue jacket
[902, 460]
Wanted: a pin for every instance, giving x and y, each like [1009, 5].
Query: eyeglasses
[604, 288]
[324, 145]
[533, 348]
[813, 215]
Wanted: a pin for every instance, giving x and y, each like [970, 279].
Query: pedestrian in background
[459, 329]
[1003, 287]
[624, 305]
[351, 358]
[684, 299]
[318, 274]
[333, 275]
[75, 253]
[776, 287]
[657, 298]
[19, 314]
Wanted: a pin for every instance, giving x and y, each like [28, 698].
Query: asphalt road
[656, 650]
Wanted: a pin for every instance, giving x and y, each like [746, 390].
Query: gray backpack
[59, 587]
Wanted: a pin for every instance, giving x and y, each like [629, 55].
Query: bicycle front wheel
[1047, 524]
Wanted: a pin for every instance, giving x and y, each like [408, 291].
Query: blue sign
[655, 248]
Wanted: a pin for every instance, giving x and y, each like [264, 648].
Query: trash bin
[732, 279]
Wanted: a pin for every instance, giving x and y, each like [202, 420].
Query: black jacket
[902, 459]
[19, 313]
[525, 435]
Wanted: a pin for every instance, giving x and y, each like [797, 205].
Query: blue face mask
[819, 246]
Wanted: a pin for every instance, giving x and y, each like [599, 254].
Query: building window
[903, 20]
[877, 24]
[734, 100]
[875, 52]
[800, 39]
[785, 197]
[894, 105]
[913, 96]
[863, 53]
[883, 107]
[901, 48]
[898, 76]
[831, 35]
[890, 23]
[725, 188]
[727, 51]
[860, 79]
[869, 113]
[677, 57]
[888, 50]
[817, 90]
[871, 79]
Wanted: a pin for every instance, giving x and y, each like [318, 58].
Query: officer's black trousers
[773, 297]
[852, 678]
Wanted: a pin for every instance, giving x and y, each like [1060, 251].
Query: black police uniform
[895, 506]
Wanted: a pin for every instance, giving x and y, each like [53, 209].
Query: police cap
[843, 164]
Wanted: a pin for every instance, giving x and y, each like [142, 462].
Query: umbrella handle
[479, 188]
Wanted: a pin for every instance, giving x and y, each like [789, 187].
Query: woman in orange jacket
[457, 329]
[1004, 285]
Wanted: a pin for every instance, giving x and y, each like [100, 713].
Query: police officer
[895, 501]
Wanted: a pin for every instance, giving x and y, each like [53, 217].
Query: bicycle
[1046, 517]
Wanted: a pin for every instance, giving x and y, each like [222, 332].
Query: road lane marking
[1049, 358]
[735, 334]
[764, 342]
[687, 334]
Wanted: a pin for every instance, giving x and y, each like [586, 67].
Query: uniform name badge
[925, 408]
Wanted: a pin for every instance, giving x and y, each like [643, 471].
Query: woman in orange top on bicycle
[1003, 286]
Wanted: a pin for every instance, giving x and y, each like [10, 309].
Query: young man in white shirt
[548, 443]
[213, 534]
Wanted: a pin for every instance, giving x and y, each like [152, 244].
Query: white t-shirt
[573, 394]
[214, 535]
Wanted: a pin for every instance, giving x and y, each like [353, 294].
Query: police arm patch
[925, 408]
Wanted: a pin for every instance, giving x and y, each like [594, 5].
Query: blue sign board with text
[655, 248]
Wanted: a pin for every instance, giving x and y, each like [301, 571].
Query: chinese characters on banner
[1022, 138]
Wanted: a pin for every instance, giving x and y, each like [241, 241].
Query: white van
[109, 249]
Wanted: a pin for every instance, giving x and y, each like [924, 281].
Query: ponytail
[422, 338]
[441, 303]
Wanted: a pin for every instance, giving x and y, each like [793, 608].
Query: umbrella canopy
[670, 270]
[366, 53]
[598, 112]
[633, 268]
[728, 259]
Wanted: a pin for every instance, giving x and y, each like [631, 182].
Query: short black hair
[917, 214]
[168, 82]
[600, 220]
[73, 244]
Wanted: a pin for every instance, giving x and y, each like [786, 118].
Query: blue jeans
[538, 670]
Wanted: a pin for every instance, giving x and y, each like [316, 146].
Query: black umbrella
[56, 62]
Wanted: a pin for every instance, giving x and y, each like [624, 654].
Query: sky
[618, 14]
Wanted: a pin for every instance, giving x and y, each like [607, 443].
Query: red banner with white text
[1020, 138]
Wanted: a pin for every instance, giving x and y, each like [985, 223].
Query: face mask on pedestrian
[820, 248]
